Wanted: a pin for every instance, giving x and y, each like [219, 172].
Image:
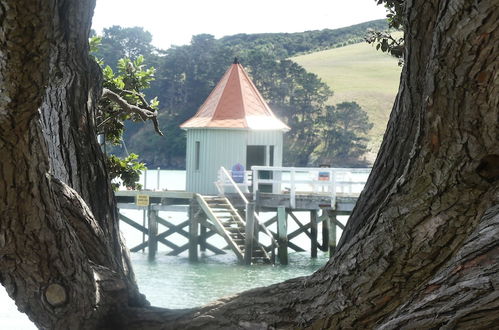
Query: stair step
[219, 206]
[234, 229]
[228, 213]
[231, 222]
[217, 202]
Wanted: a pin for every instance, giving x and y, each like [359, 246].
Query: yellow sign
[142, 200]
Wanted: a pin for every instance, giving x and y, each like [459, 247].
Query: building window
[196, 156]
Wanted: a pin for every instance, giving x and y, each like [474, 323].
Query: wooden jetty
[234, 214]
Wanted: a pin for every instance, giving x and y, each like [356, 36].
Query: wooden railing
[225, 183]
[318, 180]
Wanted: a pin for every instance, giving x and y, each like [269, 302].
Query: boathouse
[233, 126]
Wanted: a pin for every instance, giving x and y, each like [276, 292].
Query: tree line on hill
[185, 75]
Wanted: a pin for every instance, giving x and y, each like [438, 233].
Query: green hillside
[358, 73]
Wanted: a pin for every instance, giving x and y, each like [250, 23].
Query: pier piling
[325, 232]
[313, 234]
[193, 233]
[144, 219]
[249, 230]
[202, 239]
[152, 233]
[282, 235]
[331, 218]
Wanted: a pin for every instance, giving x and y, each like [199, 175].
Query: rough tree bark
[420, 250]
[61, 257]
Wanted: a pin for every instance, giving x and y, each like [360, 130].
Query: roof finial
[236, 60]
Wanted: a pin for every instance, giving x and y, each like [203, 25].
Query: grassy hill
[359, 73]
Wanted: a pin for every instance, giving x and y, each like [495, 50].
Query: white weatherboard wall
[223, 147]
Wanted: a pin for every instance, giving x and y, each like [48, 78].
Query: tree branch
[81, 219]
[144, 114]
[140, 96]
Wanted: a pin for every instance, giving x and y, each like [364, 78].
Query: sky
[174, 22]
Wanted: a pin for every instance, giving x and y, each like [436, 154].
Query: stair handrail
[245, 200]
[234, 184]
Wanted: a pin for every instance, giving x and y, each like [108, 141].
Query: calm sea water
[174, 282]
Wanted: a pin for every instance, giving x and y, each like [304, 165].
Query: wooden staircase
[231, 226]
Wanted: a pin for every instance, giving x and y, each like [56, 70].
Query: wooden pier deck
[208, 218]
[234, 215]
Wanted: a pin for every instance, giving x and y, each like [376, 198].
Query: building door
[257, 156]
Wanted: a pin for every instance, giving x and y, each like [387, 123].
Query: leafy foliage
[387, 43]
[126, 169]
[131, 78]
[118, 42]
[395, 9]
[342, 131]
[384, 40]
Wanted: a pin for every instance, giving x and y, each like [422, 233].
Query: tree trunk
[420, 249]
[61, 258]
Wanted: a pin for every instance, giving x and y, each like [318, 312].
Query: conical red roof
[235, 103]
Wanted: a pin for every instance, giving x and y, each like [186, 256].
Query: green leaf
[94, 43]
